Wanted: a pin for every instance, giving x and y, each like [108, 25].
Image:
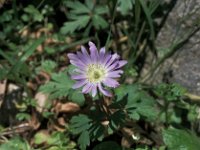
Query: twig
[192, 97]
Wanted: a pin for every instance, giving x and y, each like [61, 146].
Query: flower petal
[114, 74]
[72, 56]
[111, 83]
[78, 77]
[77, 64]
[79, 84]
[121, 63]
[82, 71]
[85, 53]
[106, 58]
[113, 66]
[102, 54]
[94, 90]
[113, 58]
[105, 92]
[93, 52]
[87, 88]
[82, 58]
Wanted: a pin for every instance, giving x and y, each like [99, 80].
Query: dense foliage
[40, 110]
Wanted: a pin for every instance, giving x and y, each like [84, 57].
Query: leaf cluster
[84, 16]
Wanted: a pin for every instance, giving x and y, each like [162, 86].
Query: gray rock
[184, 66]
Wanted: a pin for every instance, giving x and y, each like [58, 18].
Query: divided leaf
[79, 23]
[135, 101]
[77, 7]
[58, 87]
[83, 15]
[77, 97]
[80, 125]
[177, 139]
[84, 140]
[125, 6]
[170, 92]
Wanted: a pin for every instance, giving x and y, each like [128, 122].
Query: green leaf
[56, 138]
[23, 116]
[77, 7]
[84, 140]
[124, 90]
[125, 6]
[4, 71]
[117, 120]
[48, 66]
[100, 10]
[154, 5]
[6, 56]
[15, 143]
[149, 18]
[89, 4]
[19, 65]
[40, 138]
[170, 92]
[58, 87]
[134, 115]
[34, 12]
[108, 145]
[177, 139]
[79, 123]
[136, 102]
[29, 51]
[77, 97]
[99, 22]
[54, 141]
[97, 131]
[71, 26]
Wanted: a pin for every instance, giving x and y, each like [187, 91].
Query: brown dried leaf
[41, 100]
[2, 90]
[58, 124]
[68, 107]
[34, 122]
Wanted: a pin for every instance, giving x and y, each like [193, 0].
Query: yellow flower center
[95, 73]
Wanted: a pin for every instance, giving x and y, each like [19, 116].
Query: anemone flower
[96, 70]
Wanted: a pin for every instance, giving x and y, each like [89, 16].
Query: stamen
[95, 73]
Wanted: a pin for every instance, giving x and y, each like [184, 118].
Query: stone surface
[184, 66]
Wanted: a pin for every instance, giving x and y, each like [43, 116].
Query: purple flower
[96, 70]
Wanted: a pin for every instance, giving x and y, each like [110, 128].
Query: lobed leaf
[77, 7]
[58, 87]
[177, 139]
[125, 6]
[135, 101]
[84, 140]
[71, 26]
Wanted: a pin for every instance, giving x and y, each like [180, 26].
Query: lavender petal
[111, 83]
[72, 56]
[78, 77]
[94, 90]
[87, 88]
[121, 63]
[113, 66]
[77, 63]
[102, 54]
[79, 84]
[93, 52]
[85, 54]
[105, 92]
[114, 74]
[113, 58]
